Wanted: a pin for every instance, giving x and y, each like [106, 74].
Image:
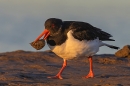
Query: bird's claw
[55, 77]
[90, 75]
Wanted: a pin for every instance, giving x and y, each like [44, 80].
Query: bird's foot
[90, 75]
[55, 77]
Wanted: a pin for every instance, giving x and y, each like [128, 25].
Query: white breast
[75, 48]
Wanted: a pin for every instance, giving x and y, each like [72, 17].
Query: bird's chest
[72, 47]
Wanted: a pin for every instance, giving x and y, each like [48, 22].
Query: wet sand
[26, 68]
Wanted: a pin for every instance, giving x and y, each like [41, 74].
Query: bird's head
[52, 27]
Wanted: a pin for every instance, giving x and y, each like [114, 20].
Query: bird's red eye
[53, 25]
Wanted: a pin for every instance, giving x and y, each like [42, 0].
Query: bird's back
[85, 31]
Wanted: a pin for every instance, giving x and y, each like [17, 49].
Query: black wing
[85, 31]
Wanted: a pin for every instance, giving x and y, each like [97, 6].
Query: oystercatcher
[70, 39]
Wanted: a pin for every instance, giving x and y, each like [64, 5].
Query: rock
[124, 52]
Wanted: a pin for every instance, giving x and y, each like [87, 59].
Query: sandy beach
[27, 68]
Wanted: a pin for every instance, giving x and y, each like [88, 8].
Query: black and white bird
[70, 39]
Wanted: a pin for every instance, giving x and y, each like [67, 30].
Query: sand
[26, 68]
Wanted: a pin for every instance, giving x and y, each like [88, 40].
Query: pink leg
[58, 76]
[90, 74]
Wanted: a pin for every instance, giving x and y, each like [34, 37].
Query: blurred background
[21, 21]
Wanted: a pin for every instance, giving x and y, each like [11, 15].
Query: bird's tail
[111, 46]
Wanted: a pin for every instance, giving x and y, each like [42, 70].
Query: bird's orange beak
[46, 33]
